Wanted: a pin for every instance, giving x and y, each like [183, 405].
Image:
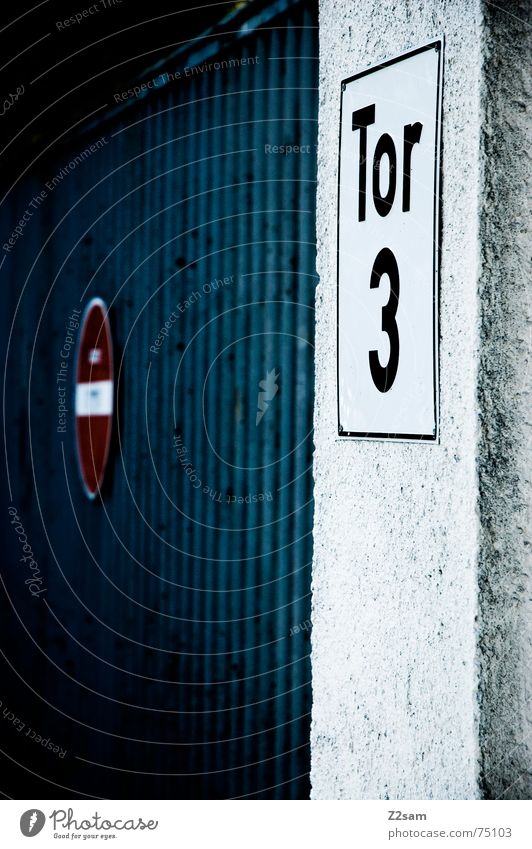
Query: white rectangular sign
[388, 231]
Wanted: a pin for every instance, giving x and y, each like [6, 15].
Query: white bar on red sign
[94, 398]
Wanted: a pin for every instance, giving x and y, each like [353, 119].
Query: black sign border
[438, 45]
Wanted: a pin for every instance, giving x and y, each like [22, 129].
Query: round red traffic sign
[94, 396]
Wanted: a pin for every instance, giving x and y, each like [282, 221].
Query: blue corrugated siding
[161, 656]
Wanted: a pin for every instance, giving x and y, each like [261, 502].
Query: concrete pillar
[422, 626]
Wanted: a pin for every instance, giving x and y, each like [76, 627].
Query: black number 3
[384, 376]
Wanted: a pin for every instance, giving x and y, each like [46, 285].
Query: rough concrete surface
[397, 529]
[505, 404]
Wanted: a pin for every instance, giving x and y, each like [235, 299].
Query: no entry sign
[388, 210]
[94, 396]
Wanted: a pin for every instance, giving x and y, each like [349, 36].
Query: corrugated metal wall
[164, 656]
